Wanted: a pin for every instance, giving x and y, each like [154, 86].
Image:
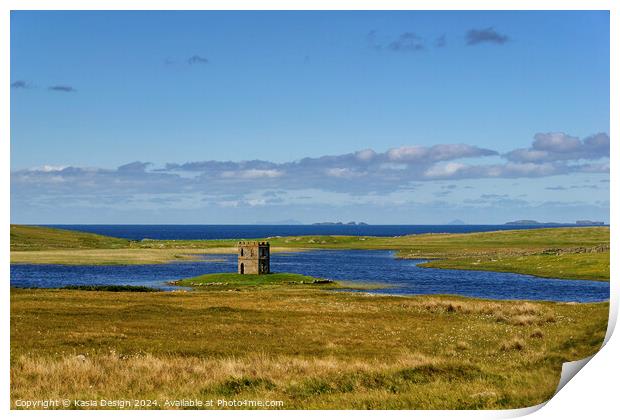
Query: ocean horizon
[225, 231]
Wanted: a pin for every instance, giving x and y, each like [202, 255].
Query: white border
[592, 394]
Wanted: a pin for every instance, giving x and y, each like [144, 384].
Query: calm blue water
[404, 276]
[138, 232]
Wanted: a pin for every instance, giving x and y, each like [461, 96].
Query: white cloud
[437, 153]
[556, 142]
[358, 173]
[343, 173]
[407, 153]
[50, 168]
[252, 173]
[554, 147]
[365, 155]
[444, 170]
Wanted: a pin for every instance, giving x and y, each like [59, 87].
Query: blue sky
[240, 117]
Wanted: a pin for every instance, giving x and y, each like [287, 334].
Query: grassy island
[224, 280]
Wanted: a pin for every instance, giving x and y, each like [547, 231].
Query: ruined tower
[253, 258]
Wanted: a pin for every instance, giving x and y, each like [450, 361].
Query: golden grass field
[122, 256]
[304, 346]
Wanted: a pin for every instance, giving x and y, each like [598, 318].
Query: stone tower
[253, 258]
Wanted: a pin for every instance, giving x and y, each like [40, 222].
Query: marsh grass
[301, 382]
[515, 343]
[111, 288]
[307, 347]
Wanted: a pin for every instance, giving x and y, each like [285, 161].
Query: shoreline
[565, 253]
[199, 285]
[335, 289]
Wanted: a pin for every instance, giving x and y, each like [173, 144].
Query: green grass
[228, 280]
[432, 244]
[427, 245]
[238, 282]
[31, 238]
[588, 266]
[307, 347]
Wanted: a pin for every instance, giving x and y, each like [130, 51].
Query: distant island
[457, 222]
[589, 223]
[340, 223]
[530, 223]
[535, 222]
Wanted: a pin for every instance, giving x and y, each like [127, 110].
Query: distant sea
[139, 232]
